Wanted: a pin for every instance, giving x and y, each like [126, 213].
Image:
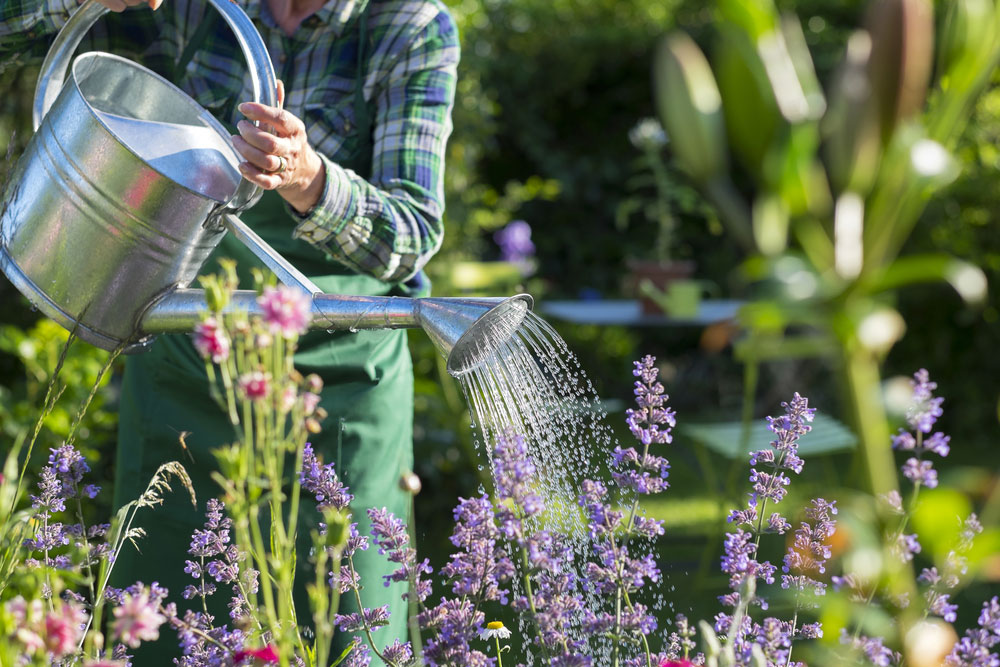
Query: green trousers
[368, 395]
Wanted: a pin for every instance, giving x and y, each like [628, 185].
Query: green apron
[368, 395]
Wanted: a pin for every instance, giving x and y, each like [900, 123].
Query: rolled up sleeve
[391, 225]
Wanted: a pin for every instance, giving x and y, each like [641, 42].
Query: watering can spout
[467, 331]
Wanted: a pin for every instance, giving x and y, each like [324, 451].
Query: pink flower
[309, 402]
[27, 623]
[676, 663]
[288, 396]
[255, 386]
[286, 310]
[63, 629]
[211, 341]
[138, 620]
[266, 655]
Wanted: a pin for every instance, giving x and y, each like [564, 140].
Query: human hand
[122, 5]
[278, 154]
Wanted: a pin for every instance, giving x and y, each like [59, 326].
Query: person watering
[351, 162]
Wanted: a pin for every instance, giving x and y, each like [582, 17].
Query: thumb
[155, 4]
[281, 86]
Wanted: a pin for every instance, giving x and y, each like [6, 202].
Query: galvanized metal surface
[107, 208]
[465, 331]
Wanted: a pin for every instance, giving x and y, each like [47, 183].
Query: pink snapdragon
[211, 341]
[137, 620]
[286, 310]
[255, 386]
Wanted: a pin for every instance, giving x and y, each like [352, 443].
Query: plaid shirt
[387, 226]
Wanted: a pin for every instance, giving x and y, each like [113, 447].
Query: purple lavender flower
[651, 422]
[739, 562]
[905, 547]
[810, 549]
[393, 541]
[771, 485]
[359, 655]
[921, 415]
[975, 649]
[514, 472]
[399, 653]
[322, 482]
[920, 472]
[872, 648]
[480, 566]
[454, 623]
[197, 651]
[926, 408]
[213, 542]
[367, 618]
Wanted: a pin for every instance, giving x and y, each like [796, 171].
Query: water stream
[532, 384]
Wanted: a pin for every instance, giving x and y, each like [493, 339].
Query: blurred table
[628, 313]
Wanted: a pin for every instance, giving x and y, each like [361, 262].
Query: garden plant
[820, 189]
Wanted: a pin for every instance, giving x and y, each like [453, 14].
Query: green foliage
[38, 350]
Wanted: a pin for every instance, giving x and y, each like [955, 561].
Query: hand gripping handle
[57, 61]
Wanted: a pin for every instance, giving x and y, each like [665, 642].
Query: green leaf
[690, 107]
[748, 102]
[966, 278]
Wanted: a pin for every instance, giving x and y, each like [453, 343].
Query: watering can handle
[56, 65]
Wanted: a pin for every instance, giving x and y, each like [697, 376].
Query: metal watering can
[128, 185]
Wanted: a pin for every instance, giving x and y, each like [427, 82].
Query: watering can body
[121, 194]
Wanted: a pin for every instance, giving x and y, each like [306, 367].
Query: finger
[257, 157]
[260, 178]
[155, 4]
[283, 121]
[264, 141]
[281, 93]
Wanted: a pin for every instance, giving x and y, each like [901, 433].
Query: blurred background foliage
[548, 93]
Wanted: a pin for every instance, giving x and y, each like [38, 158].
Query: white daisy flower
[495, 629]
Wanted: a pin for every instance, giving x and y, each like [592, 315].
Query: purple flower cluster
[393, 541]
[771, 485]
[921, 416]
[554, 603]
[514, 473]
[453, 623]
[212, 544]
[347, 579]
[810, 548]
[651, 422]
[322, 481]
[872, 648]
[60, 482]
[975, 649]
[480, 567]
[739, 561]
[204, 645]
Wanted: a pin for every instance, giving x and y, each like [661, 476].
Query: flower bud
[410, 483]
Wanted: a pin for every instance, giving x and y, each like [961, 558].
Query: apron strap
[195, 43]
[362, 113]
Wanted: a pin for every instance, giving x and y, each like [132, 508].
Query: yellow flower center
[494, 625]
